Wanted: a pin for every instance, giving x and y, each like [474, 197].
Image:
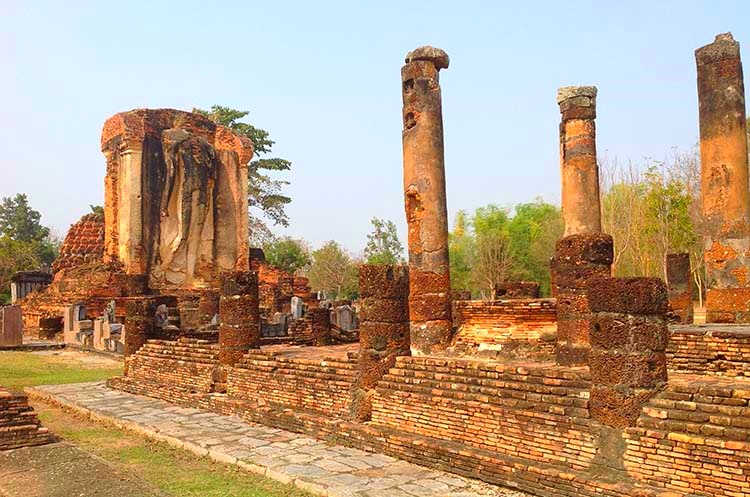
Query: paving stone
[288, 457]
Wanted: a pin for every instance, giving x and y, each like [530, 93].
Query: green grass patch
[23, 369]
[174, 471]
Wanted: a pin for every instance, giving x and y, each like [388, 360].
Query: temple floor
[310, 464]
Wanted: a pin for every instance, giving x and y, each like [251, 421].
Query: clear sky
[323, 78]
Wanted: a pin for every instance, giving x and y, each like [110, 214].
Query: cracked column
[578, 168]
[724, 180]
[424, 197]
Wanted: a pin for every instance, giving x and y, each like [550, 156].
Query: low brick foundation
[515, 326]
[715, 349]
[19, 425]
[694, 438]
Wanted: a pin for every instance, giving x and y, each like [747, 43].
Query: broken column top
[723, 47]
[586, 93]
[435, 55]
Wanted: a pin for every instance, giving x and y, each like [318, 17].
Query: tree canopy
[287, 254]
[264, 193]
[333, 271]
[383, 245]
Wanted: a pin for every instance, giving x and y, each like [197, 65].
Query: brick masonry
[515, 326]
[716, 349]
[19, 425]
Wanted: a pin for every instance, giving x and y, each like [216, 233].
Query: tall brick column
[578, 259]
[578, 168]
[629, 338]
[239, 316]
[680, 286]
[383, 329]
[724, 180]
[425, 201]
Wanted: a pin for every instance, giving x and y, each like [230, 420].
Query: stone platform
[312, 465]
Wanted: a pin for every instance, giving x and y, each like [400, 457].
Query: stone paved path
[64, 470]
[312, 465]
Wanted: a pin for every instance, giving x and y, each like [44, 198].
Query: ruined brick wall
[19, 425]
[536, 413]
[498, 324]
[719, 350]
[278, 383]
[174, 371]
[83, 244]
[694, 438]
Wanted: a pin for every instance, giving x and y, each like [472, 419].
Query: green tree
[98, 210]
[333, 271]
[264, 193]
[461, 249]
[493, 260]
[287, 254]
[24, 243]
[533, 231]
[383, 245]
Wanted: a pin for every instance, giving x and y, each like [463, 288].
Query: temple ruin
[589, 393]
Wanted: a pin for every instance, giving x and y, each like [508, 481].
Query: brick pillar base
[578, 259]
[383, 330]
[680, 285]
[239, 316]
[321, 326]
[629, 337]
[139, 323]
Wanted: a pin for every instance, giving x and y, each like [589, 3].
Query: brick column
[724, 180]
[680, 285]
[320, 322]
[383, 329]
[578, 169]
[629, 337]
[239, 316]
[425, 201]
[578, 259]
[139, 323]
[208, 306]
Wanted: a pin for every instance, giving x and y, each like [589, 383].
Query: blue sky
[323, 78]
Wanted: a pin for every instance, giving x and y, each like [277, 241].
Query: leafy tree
[333, 271]
[461, 249]
[265, 193]
[24, 243]
[98, 210]
[19, 221]
[287, 254]
[383, 245]
[493, 261]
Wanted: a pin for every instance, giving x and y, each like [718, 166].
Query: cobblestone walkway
[312, 465]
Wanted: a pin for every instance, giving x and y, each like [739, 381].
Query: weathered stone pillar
[578, 168]
[425, 201]
[383, 330]
[139, 323]
[629, 338]
[239, 315]
[724, 180]
[680, 285]
[578, 259]
[320, 322]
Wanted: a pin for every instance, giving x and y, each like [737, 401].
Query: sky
[324, 79]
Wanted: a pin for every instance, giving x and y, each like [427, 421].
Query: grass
[23, 369]
[175, 472]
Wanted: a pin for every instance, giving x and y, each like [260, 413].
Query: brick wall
[178, 371]
[537, 413]
[506, 324]
[694, 438]
[19, 425]
[83, 244]
[318, 385]
[715, 349]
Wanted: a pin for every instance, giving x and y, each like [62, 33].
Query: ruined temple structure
[724, 180]
[588, 394]
[19, 425]
[425, 201]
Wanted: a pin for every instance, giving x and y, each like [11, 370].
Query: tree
[98, 210]
[461, 250]
[383, 245]
[24, 243]
[287, 254]
[18, 221]
[264, 193]
[333, 271]
[493, 262]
